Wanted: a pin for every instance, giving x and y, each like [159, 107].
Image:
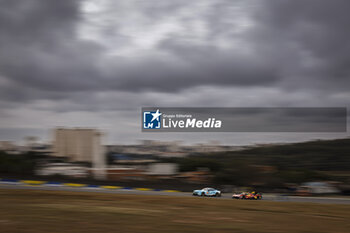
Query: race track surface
[266, 197]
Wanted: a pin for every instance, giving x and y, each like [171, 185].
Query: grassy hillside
[318, 155]
[274, 165]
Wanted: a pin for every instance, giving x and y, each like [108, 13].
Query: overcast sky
[96, 63]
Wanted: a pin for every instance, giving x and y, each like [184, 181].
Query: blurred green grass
[59, 211]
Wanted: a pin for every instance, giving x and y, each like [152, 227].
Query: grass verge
[60, 211]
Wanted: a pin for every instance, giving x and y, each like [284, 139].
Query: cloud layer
[79, 63]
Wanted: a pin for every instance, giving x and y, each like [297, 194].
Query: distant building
[7, 146]
[195, 176]
[153, 171]
[125, 173]
[30, 141]
[64, 169]
[162, 169]
[81, 145]
[317, 188]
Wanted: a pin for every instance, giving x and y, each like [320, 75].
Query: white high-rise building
[81, 145]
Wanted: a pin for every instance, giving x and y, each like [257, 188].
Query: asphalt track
[266, 197]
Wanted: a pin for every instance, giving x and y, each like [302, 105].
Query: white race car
[209, 192]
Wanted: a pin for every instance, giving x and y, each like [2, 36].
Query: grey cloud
[41, 50]
[292, 53]
[39, 47]
[310, 39]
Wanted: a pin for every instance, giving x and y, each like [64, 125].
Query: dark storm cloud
[204, 68]
[41, 51]
[310, 39]
[294, 45]
[291, 44]
[39, 48]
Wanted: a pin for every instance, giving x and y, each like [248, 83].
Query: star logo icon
[156, 115]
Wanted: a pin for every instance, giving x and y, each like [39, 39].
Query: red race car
[251, 196]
